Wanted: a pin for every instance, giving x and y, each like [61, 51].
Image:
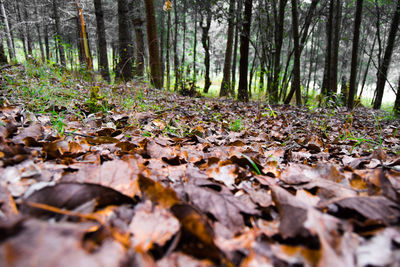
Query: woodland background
[346, 50]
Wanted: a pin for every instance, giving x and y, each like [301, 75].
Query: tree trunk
[8, 33]
[235, 46]
[46, 41]
[205, 40]
[335, 48]
[279, 18]
[195, 46]
[59, 40]
[3, 57]
[155, 64]
[354, 55]
[384, 67]
[101, 41]
[27, 28]
[39, 32]
[244, 51]
[295, 86]
[396, 107]
[328, 56]
[176, 59]
[84, 43]
[168, 46]
[137, 22]
[124, 68]
[226, 80]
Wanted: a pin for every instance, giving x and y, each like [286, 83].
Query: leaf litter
[169, 181]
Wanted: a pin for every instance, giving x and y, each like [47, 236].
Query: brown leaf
[69, 196]
[156, 192]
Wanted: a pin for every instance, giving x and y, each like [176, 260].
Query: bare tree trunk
[46, 41]
[396, 107]
[278, 38]
[195, 46]
[296, 68]
[168, 46]
[84, 43]
[328, 56]
[384, 67]
[3, 57]
[101, 41]
[205, 40]
[244, 51]
[137, 22]
[176, 59]
[354, 55]
[59, 41]
[235, 48]
[155, 64]
[8, 33]
[226, 80]
[39, 32]
[27, 30]
[335, 51]
[124, 68]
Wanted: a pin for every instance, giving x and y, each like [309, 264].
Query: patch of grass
[236, 125]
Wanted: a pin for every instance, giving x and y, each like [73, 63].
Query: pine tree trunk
[124, 68]
[137, 22]
[235, 48]
[296, 88]
[226, 80]
[176, 59]
[8, 33]
[279, 18]
[354, 55]
[39, 33]
[328, 56]
[205, 40]
[195, 47]
[168, 50]
[155, 64]
[101, 41]
[244, 52]
[396, 107]
[383, 69]
[59, 40]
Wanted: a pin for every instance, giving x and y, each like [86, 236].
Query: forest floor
[125, 175]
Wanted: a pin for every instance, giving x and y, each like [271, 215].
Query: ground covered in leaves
[123, 175]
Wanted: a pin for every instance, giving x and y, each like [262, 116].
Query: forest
[199, 133]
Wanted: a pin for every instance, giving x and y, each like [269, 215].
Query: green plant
[57, 119]
[236, 126]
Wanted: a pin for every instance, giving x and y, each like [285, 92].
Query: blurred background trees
[302, 48]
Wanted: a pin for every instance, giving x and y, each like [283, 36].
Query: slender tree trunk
[396, 107]
[162, 47]
[46, 41]
[296, 68]
[155, 64]
[354, 54]
[176, 59]
[205, 40]
[22, 30]
[84, 43]
[101, 41]
[335, 51]
[384, 67]
[3, 57]
[195, 46]
[244, 51]
[124, 68]
[59, 40]
[39, 32]
[226, 80]
[8, 33]
[278, 38]
[138, 22]
[27, 28]
[235, 47]
[168, 46]
[367, 68]
[328, 56]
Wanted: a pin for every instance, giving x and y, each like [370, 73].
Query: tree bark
[296, 68]
[235, 46]
[354, 55]
[39, 32]
[137, 22]
[155, 64]
[244, 51]
[396, 107]
[101, 41]
[176, 58]
[384, 67]
[59, 40]
[205, 40]
[335, 49]
[8, 33]
[168, 46]
[195, 46]
[278, 38]
[328, 56]
[124, 69]
[3, 57]
[226, 80]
